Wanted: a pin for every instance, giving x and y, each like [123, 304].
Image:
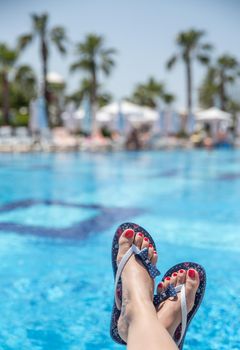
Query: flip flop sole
[198, 298]
[115, 246]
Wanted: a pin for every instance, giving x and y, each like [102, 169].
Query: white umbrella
[124, 107]
[55, 78]
[213, 114]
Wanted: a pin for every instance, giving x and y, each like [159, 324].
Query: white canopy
[55, 78]
[132, 112]
[124, 107]
[213, 114]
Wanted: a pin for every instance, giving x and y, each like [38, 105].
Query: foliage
[190, 47]
[219, 76]
[56, 36]
[208, 89]
[93, 59]
[150, 93]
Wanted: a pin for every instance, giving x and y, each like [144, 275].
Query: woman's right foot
[169, 312]
[137, 285]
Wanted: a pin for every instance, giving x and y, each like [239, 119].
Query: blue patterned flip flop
[142, 255]
[172, 291]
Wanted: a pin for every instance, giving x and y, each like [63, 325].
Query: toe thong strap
[184, 313]
[141, 255]
[172, 291]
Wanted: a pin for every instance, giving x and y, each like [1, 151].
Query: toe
[167, 281]
[150, 251]
[192, 283]
[192, 279]
[174, 278]
[154, 257]
[181, 276]
[138, 240]
[127, 237]
[160, 287]
[145, 243]
[125, 242]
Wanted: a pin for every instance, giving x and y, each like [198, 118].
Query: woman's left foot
[169, 312]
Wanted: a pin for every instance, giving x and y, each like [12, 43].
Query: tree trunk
[94, 99]
[189, 92]
[5, 99]
[44, 53]
[222, 91]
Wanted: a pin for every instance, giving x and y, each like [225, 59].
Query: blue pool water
[57, 217]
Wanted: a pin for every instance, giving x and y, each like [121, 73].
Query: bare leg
[145, 331]
[138, 324]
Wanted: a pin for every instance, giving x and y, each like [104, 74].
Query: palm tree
[103, 97]
[26, 81]
[208, 89]
[224, 72]
[150, 93]
[8, 58]
[190, 48]
[93, 58]
[227, 70]
[168, 99]
[23, 87]
[56, 36]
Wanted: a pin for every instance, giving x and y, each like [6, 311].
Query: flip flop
[142, 255]
[172, 291]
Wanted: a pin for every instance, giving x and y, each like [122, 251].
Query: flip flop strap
[184, 313]
[143, 256]
[172, 291]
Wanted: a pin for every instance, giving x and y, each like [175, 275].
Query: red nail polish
[140, 234]
[181, 271]
[150, 245]
[154, 252]
[129, 233]
[160, 285]
[168, 278]
[146, 239]
[191, 273]
[175, 274]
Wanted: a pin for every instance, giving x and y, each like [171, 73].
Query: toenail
[191, 273]
[129, 233]
[168, 278]
[150, 245]
[155, 252]
[160, 285]
[181, 271]
[140, 234]
[175, 274]
[146, 239]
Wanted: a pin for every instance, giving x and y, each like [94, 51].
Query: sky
[142, 31]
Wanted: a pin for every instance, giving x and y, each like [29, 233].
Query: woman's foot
[137, 285]
[169, 312]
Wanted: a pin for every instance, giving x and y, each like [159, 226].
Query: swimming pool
[57, 217]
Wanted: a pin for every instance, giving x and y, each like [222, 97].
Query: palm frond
[59, 38]
[81, 65]
[23, 41]
[171, 62]
[39, 22]
[203, 59]
[8, 56]
[206, 47]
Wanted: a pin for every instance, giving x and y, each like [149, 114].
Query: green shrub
[20, 120]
